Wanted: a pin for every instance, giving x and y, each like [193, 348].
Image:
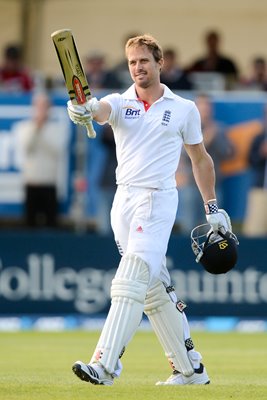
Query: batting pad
[128, 291]
[167, 323]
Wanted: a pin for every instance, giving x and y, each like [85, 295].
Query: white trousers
[142, 221]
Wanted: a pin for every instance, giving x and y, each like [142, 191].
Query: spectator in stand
[255, 223]
[258, 78]
[219, 148]
[42, 143]
[214, 61]
[172, 74]
[14, 77]
[108, 181]
[99, 78]
[98, 75]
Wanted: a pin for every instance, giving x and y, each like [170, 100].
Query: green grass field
[37, 366]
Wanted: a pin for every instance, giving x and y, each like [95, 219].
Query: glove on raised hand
[83, 114]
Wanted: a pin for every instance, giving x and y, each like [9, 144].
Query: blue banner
[64, 274]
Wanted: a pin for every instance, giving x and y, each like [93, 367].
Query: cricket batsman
[151, 125]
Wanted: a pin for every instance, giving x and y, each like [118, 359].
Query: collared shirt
[149, 142]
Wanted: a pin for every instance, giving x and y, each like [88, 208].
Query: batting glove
[83, 114]
[217, 217]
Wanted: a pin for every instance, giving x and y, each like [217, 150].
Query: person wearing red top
[14, 77]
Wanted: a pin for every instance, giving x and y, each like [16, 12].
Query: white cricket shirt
[149, 143]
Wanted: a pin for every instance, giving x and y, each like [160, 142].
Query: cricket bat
[73, 72]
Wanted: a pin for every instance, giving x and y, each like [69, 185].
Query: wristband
[211, 207]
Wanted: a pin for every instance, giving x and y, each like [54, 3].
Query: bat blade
[72, 69]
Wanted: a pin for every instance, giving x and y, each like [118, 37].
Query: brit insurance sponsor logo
[131, 112]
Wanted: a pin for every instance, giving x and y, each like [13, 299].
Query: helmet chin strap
[200, 254]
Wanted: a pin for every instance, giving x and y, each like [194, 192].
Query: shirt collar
[130, 93]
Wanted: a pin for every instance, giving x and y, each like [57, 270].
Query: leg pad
[167, 323]
[128, 292]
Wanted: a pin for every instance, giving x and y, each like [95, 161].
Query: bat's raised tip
[61, 32]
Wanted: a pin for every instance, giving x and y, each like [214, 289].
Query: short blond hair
[146, 40]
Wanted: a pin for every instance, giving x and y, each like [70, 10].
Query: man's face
[41, 107]
[144, 70]
[212, 42]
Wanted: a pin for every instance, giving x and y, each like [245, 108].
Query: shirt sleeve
[191, 127]
[114, 100]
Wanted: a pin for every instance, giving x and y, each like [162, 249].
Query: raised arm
[91, 110]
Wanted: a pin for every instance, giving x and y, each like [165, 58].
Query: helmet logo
[223, 245]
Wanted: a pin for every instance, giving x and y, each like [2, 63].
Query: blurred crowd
[235, 151]
[213, 70]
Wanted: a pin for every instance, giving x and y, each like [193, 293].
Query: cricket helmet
[217, 252]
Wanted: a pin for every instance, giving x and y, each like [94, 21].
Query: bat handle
[90, 131]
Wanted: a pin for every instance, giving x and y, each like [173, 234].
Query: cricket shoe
[93, 373]
[200, 377]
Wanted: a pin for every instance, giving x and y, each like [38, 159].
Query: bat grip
[90, 131]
